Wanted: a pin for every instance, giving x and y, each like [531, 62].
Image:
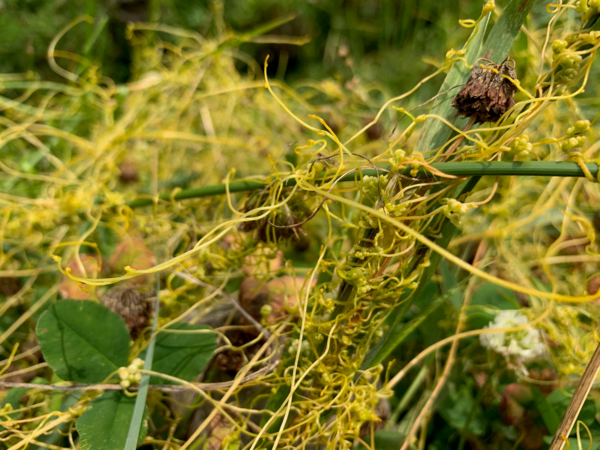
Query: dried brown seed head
[128, 172]
[131, 305]
[488, 94]
[9, 286]
[375, 131]
[593, 285]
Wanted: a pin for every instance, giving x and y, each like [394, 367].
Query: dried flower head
[488, 94]
[131, 305]
[128, 172]
[9, 286]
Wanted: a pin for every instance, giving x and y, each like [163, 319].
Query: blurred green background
[391, 42]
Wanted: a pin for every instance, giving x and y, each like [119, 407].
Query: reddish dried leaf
[132, 251]
[71, 289]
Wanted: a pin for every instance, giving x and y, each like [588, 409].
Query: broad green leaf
[385, 440]
[559, 400]
[182, 355]
[490, 296]
[105, 423]
[12, 398]
[83, 341]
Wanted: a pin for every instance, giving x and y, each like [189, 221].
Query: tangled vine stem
[460, 169]
[370, 276]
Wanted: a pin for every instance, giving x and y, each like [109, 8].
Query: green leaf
[139, 409]
[273, 404]
[385, 440]
[182, 355]
[83, 341]
[505, 30]
[456, 406]
[489, 296]
[559, 400]
[449, 282]
[548, 413]
[12, 398]
[435, 133]
[60, 401]
[105, 423]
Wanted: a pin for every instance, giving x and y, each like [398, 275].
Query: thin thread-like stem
[152, 387]
[459, 140]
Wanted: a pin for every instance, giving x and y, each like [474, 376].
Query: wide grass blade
[140, 401]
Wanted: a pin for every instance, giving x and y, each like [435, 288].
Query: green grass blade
[549, 415]
[235, 41]
[504, 32]
[140, 401]
[435, 133]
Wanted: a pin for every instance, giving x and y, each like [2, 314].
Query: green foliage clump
[323, 288]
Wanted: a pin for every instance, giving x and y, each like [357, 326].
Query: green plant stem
[465, 428]
[458, 169]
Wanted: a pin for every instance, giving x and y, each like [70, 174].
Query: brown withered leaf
[131, 305]
[132, 251]
[128, 172]
[71, 289]
[487, 95]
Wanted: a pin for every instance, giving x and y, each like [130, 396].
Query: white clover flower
[524, 344]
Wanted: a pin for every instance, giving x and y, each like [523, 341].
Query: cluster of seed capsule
[132, 373]
[575, 138]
